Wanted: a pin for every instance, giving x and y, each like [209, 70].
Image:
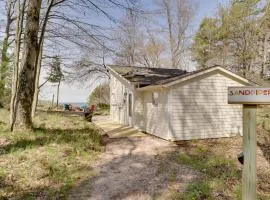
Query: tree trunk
[57, 98]
[265, 52]
[3, 69]
[27, 76]
[19, 27]
[36, 93]
[171, 39]
[39, 57]
[4, 56]
[52, 101]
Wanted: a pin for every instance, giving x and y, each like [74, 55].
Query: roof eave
[119, 76]
[151, 87]
[239, 78]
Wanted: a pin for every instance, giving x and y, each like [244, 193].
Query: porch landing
[115, 130]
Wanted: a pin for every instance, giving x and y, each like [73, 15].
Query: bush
[100, 95]
[103, 106]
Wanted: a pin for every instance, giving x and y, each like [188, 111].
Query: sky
[73, 93]
[207, 8]
[79, 92]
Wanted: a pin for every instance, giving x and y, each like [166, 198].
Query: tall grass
[49, 161]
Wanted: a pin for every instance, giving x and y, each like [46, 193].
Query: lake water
[79, 104]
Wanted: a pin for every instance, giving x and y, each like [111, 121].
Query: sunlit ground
[50, 160]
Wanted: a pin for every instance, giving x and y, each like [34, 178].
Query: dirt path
[135, 167]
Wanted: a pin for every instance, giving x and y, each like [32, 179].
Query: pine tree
[231, 39]
[56, 75]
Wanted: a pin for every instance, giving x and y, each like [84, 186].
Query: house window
[155, 98]
[130, 104]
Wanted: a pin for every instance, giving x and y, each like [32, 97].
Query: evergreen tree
[205, 40]
[56, 75]
[232, 39]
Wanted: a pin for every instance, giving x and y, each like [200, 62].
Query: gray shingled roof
[169, 80]
[144, 76]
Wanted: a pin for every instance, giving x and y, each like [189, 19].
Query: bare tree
[27, 76]
[136, 43]
[38, 63]
[264, 57]
[18, 35]
[5, 45]
[37, 77]
[61, 27]
[130, 30]
[151, 51]
[178, 15]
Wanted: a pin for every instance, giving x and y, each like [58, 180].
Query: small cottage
[174, 104]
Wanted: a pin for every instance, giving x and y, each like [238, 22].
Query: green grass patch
[102, 111]
[219, 176]
[197, 190]
[49, 161]
[212, 165]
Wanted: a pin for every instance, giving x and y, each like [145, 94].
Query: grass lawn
[216, 160]
[48, 162]
[221, 173]
[220, 177]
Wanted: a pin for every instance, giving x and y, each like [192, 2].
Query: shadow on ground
[135, 168]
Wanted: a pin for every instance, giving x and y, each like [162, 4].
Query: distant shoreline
[80, 104]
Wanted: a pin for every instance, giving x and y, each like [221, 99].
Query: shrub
[100, 95]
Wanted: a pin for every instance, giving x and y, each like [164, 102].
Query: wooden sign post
[250, 97]
[249, 147]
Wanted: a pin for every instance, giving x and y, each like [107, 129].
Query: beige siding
[199, 109]
[156, 122]
[119, 106]
[138, 114]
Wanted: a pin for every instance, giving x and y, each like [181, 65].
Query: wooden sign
[249, 95]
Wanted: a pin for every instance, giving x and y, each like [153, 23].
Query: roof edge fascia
[120, 77]
[220, 69]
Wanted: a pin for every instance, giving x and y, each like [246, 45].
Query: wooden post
[249, 144]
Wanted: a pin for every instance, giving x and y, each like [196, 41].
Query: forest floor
[48, 162]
